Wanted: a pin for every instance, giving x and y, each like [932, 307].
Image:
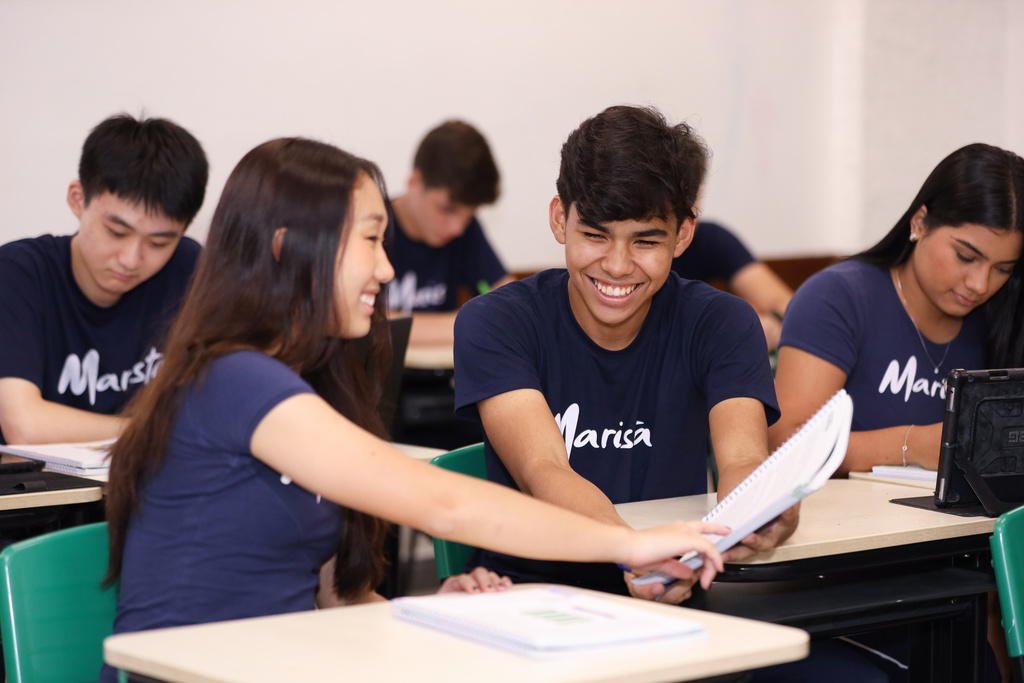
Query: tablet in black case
[981, 461]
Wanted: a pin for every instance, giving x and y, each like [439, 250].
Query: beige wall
[824, 115]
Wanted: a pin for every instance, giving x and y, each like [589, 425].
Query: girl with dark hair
[941, 290]
[225, 488]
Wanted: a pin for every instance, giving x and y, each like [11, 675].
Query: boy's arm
[739, 437]
[432, 329]
[25, 417]
[524, 434]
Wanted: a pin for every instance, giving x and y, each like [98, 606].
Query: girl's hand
[650, 547]
[479, 580]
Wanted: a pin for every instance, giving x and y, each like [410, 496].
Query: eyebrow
[374, 217]
[967, 245]
[117, 220]
[650, 232]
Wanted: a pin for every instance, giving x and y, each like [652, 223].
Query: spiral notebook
[545, 621]
[84, 459]
[795, 470]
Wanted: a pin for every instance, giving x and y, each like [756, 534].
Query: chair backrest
[55, 614]
[450, 557]
[1007, 543]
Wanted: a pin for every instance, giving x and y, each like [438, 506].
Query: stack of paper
[83, 459]
[544, 621]
[915, 472]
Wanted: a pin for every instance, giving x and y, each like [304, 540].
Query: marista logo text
[907, 381]
[82, 374]
[615, 438]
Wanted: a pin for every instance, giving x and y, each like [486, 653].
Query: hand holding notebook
[796, 469]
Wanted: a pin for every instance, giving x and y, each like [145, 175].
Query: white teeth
[367, 299]
[614, 291]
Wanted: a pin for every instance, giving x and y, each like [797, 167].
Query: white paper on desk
[92, 457]
[796, 469]
[544, 621]
[915, 472]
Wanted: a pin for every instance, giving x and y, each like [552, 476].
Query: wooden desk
[871, 476]
[430, 357]
[366, 643]
[424, 453]
[844, 517]
[24, 501]
[858, 562]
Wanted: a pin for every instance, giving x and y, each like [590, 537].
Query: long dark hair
[983, 185]
[243, 298]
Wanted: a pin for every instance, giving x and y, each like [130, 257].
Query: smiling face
[957, 269]
[362, 267]
[615, 269]
[119, 244]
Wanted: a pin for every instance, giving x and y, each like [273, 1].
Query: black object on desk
[34, 480]
[981, 460]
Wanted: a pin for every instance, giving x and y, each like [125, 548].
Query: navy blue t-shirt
[714, 254]
[850, 315]
[635, 421]
[219, 534]
[428, 278]
[79, 354]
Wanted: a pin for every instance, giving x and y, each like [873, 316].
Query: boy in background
[83, 314]
[438, 246]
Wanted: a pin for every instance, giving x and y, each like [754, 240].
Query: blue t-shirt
[850, 315]
[428, 278]
[219, 534]
[713, 254]
[635, 421]
[77, 353]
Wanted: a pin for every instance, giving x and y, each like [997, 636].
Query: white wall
[824, 116]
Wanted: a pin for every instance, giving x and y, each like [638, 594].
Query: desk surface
[424, 453]
[845, 516]
[366, 643]
[430, 357]
[22, 501]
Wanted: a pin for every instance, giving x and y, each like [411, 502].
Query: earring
[913, 237]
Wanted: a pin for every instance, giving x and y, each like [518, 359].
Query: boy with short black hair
[600, 384]
[439, 246]
[83, 314]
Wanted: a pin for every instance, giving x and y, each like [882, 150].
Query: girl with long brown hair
[226, 489]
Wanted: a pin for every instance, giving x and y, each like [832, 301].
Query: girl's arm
[804, 382]
[305, 439]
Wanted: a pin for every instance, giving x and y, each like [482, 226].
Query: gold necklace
[920, 337]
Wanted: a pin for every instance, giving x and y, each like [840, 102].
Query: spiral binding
[791, 443]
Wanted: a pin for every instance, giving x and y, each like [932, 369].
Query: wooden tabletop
[430, 357]
[845, 516]
[21, 501]
[366, 643]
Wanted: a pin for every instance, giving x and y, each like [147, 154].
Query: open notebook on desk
[545, 621]
[796, 469]
[83, 459]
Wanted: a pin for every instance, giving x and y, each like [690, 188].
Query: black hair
[154, 162]
[983, 185]
[455, 156]
[629, 163]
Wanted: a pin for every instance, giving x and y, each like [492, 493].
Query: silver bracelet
[905, 445]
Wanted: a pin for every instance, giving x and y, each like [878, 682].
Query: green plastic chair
[55, 614]
[1007, 543]
[450, 557]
